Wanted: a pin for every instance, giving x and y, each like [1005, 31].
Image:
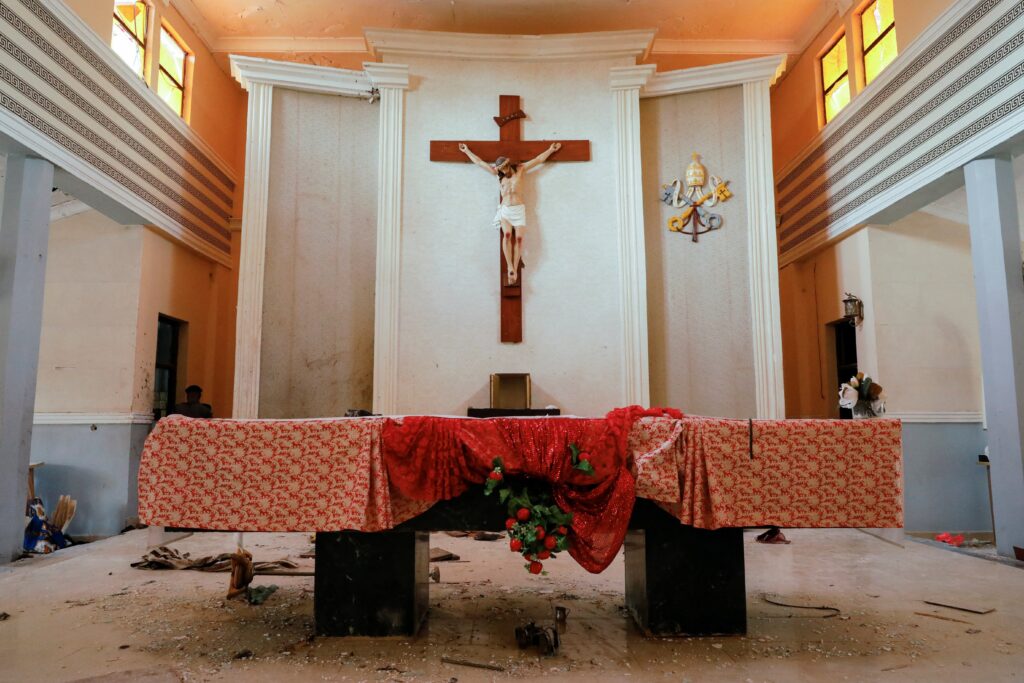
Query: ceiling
[683, 26]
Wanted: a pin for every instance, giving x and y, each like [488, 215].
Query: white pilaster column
[391, 80]
[999, 288]
[249, 320]
[24, 229]
[626, 83]
[763, 251]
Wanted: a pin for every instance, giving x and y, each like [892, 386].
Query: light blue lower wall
[945, 487]
[98, 468]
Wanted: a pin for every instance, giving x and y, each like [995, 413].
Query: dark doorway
[846, 357]
[165, 378]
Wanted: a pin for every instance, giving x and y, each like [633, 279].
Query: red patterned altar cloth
[330, 474]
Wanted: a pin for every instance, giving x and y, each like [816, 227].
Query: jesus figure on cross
[511, 216]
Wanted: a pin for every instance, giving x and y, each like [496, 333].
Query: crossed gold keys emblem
[695, 201]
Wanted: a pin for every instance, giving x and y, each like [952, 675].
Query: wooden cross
[509, 144]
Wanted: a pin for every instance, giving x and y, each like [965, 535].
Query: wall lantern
[853, 309]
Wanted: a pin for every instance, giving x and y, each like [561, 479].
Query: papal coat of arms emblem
[696, 219]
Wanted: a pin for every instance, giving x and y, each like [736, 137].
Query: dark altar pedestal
[679, 580]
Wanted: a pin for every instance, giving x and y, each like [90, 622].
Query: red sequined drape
[436, 458]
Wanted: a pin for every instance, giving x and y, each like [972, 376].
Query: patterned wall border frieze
[873, 156]
[125, 89]
[917, 110]
[65, 95]
[922, 63]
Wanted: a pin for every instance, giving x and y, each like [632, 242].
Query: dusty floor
[84, 614]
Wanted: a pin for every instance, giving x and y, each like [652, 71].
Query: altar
[696, 483]
[542, 204]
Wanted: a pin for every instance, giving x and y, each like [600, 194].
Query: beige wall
[698, 294]
[919, 337]
[926, 315]
[450, 311]
[318, 301]
[90, 312]
[106, 285]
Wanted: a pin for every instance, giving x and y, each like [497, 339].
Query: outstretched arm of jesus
[542, 157]
[475, 159]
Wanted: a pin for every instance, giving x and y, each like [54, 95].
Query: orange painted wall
[811, 290]
[175, 280]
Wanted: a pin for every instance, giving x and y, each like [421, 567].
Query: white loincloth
[514, 215]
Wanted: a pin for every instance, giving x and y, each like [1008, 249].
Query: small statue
[511, 215]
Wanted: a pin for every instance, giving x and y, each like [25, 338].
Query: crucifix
[508, 158]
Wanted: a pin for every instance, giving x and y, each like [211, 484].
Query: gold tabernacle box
[511, 390]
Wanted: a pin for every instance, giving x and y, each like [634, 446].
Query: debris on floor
[545, 638]
[442, 555]
[44, 535]
[163, 557]
[773, 535]
[257, 595]
[962, 608]
[950, 539]
[476, 665]
[775, 600]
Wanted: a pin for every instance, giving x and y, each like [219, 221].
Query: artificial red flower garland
[537, 528]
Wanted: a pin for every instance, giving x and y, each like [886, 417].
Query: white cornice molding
[675, 46]
[563, 46]
[630, 77]
[716, 76]
[357, 45]
[387, 75]
[951, 417]
[197, 21]
[272, 44]
[294, 76]
[92, 418]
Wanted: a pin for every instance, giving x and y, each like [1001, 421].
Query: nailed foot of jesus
[511, 277]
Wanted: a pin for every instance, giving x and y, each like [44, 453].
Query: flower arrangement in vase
[864, 396]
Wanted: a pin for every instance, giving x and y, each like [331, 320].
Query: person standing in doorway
[192, 407]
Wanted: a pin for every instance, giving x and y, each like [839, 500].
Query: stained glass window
[835, 78]
[171, 79]
[879, 30]
[129, 36]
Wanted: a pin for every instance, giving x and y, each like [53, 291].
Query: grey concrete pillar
[999, 286]
[24, 229]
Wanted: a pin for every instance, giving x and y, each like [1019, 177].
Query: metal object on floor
[545, 638]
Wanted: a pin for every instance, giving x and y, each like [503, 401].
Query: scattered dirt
[94, 616]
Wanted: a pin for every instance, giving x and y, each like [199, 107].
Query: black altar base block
[679, 580]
